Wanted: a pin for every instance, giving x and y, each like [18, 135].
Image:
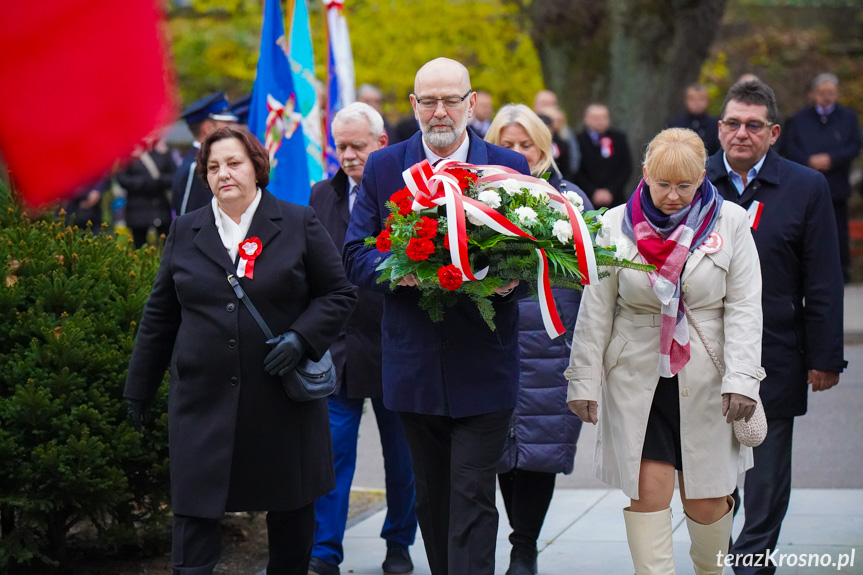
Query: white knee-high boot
[710, 543]
[649, 537]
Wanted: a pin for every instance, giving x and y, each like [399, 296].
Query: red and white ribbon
[282, 122]
[754, 213]
[436, 186]
[250, 249]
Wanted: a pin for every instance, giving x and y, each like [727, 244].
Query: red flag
[83, 81]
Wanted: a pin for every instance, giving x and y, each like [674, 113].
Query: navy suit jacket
[838, 135]
[802, 289]
[199, 196]
[457, 367]
[597, 172]
[705, 125]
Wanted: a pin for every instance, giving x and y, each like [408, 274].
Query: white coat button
[686, 288]
[685, 392]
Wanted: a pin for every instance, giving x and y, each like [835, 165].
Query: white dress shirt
[230, 231]
[460, 155]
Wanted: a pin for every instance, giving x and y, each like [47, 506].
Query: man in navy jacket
[826, 137]
[802, 294]
[454, 382]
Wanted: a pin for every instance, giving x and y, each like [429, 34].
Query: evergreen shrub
[69, 460]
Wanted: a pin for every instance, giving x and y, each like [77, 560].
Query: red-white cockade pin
[250, 249]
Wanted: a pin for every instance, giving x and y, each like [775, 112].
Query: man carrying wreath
[453, 382]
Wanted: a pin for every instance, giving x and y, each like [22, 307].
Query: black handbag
[309, 379]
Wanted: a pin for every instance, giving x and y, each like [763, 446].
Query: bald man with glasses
[791, 219]
[454, 382]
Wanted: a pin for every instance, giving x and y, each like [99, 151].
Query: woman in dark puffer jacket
[543, 432]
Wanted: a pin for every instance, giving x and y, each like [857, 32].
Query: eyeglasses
[683, 190]
[448, 102]
[752, 127]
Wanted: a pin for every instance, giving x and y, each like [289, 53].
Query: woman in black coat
[543, 433]
[237, 443]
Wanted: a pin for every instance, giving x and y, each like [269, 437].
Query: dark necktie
[352, 198]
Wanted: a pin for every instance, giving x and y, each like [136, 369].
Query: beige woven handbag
[750, 433]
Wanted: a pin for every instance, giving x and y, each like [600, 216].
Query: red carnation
[403, 199]
[426, 228]
[384, 243]
[419, 249]
[465, 177]
[450, 277]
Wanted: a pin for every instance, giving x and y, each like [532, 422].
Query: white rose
[575, 200]
[539, 194]
[620, 244]
[490, 198]
[511, 186]
[603, 225]
[526, 215]
[563, 230]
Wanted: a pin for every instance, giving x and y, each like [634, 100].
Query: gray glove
[140, 415]
[736, 407]
[287, 352]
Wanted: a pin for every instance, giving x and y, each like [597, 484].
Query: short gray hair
[369, 89]
[826, 77]
[360, 112]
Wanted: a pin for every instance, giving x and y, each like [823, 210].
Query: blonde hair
[676, 154]
[536, 130]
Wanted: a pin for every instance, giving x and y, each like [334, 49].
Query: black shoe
[522, 561]
[318, 566]
[398, 561]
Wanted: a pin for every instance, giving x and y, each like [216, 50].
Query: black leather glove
[287, 353]
[140, 415]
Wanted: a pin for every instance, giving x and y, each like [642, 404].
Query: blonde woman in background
[543, 432]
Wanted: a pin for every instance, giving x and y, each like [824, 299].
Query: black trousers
[766, 492]
[197, 542]
[454, 462]
[526, 496]
[139, 235]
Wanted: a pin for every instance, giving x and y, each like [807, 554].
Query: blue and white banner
[340, 74]
[303, 68]
[274, 115]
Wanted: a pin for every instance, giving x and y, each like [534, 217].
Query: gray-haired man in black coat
[358, 130]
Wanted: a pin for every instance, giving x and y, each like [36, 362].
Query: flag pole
[325, 117]
[289, 20]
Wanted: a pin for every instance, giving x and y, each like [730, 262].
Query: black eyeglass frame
[761, 125]
[444, 100]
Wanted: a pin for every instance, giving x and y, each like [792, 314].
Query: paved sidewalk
[584, 534]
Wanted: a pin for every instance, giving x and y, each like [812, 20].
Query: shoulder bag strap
[703, 337]
[238, 289]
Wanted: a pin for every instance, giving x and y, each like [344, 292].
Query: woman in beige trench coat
[660, 406]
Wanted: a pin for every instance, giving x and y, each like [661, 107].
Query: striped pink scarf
[665, 242]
